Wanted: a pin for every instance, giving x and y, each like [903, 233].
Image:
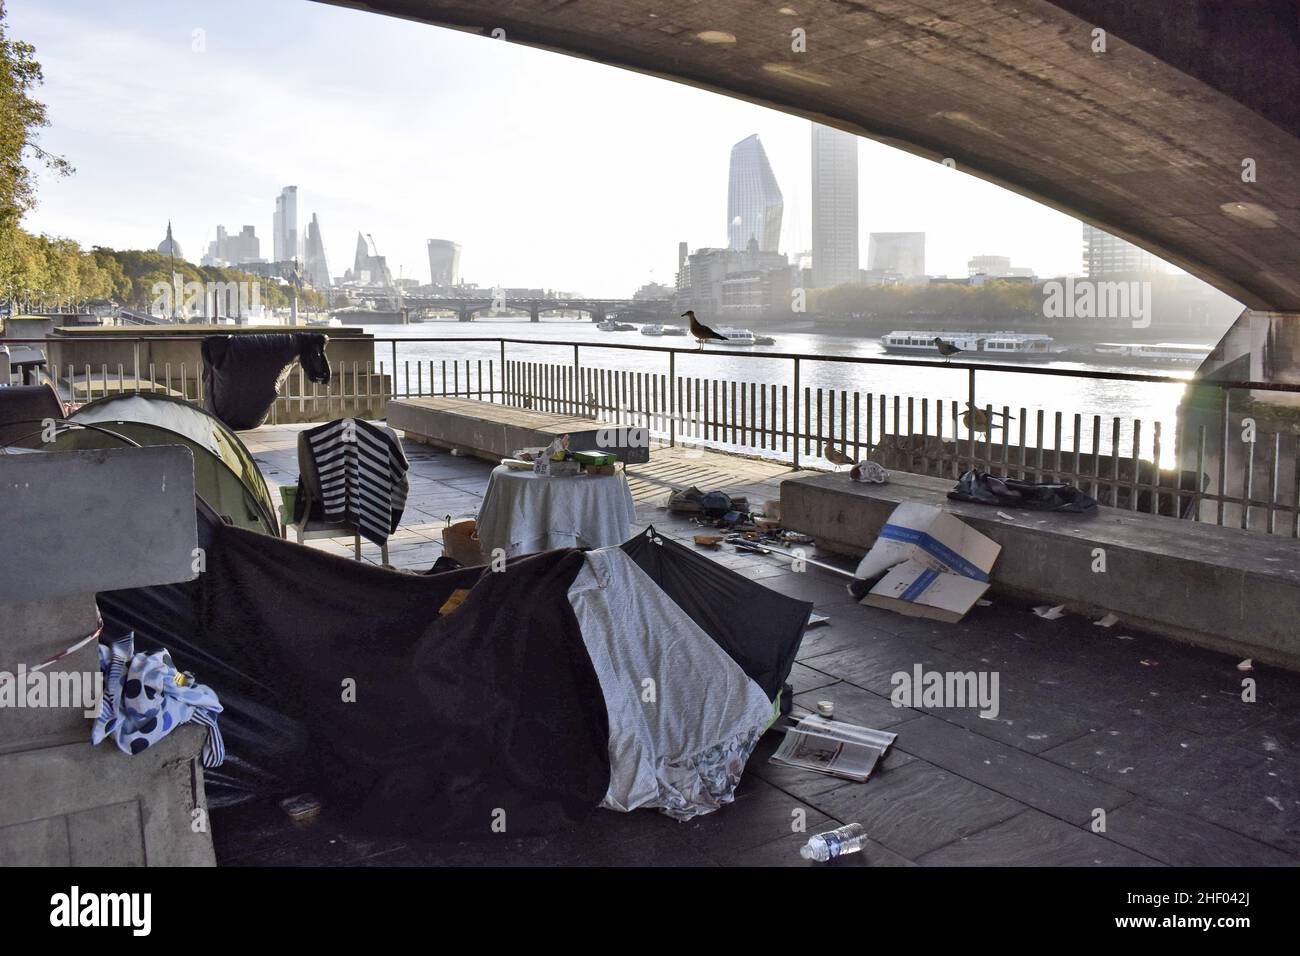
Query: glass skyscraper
[753, 199]
[834, 207]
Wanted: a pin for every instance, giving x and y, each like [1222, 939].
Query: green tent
[225, 475]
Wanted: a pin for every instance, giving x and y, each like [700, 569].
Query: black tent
[758, 627]
[494, 705]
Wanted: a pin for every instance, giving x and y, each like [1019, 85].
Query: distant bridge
[468, 309]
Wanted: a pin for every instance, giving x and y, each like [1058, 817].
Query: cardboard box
[595, 457]
[934, 565]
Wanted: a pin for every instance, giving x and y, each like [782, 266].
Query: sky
[550, 171]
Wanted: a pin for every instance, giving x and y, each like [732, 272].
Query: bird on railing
[946, 349]
[835, 456]
[977, 419]
[701, 331]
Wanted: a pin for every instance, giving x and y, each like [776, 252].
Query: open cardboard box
[933, 565]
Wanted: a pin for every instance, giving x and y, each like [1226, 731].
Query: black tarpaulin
[243, 373]
[342, 677]
[758, 627]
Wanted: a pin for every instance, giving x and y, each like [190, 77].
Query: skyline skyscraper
[898, 252]
[1104, 254]
[834, 207]
[444, 262]
[754, 201]
[315, 270]
[284, 230]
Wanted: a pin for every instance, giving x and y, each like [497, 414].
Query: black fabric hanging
[242, 374]
[759, 628]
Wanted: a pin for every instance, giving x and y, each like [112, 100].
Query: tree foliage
[992, 300]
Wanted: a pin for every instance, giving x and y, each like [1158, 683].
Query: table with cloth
[524, 512]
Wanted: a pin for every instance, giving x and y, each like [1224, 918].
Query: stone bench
[494, 432]
[1230, 590]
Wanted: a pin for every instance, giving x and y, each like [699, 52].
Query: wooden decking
[670, 468]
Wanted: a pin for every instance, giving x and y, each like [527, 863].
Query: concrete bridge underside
[1146, 139]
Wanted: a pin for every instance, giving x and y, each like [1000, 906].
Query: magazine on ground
[833, 747]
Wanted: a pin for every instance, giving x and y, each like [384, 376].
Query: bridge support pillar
[534, 313]
[598, 313]
[464, 314]
[1243, 427]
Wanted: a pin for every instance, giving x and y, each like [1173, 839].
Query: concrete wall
[1223, 588]
[77, 523]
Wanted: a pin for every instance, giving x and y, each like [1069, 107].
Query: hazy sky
[549, 170]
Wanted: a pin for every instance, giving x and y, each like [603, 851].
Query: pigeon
[946, 349]
[834, 455]
[977, 419]
[701, 331]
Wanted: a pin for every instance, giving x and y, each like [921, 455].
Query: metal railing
[1226, 473]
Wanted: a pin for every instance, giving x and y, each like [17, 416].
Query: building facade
[754, 202]
[1105, 255]
[234, 250]
[444, 262]
[834, 207]
[315, 270]
[284, 226]
[725, 283]
[897, 252]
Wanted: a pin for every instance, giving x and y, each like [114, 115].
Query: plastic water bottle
[835, 843]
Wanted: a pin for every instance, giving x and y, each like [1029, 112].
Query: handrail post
[970, 417]
[572, 409]
[502, 343]
[672, 398]
[394, 388]
[796, 413]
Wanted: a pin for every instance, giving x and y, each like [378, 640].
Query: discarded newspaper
[833, 747]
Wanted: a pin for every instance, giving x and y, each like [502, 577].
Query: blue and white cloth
[146, 698]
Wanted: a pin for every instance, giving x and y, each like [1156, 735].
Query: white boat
[652, 330]
[1027, 346]
[735, 336]
[672, 330]
[1155, 353]
[609, 325]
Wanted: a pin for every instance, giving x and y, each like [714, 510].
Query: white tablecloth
[523, 512]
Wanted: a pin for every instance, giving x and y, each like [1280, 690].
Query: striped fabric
[363, 476]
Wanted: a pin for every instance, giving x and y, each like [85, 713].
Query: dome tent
[225, 475]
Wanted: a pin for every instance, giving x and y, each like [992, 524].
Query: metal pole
[672, 398]
[502, 343]
[796, 414]
[393, 390]
[970, 418]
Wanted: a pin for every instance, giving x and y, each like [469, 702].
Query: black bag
[984, 489]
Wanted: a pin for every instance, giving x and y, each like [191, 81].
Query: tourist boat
[764, 340]
[1154, 353]
[1024, 346]
[609, 325]
[652, 330]
[736, 336]
[672, 330]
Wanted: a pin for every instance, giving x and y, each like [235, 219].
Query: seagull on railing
[946, 349]
[977, 419]
[701, 331]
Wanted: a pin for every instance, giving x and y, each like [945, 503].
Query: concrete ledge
[493, 432]
[1222, 588]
